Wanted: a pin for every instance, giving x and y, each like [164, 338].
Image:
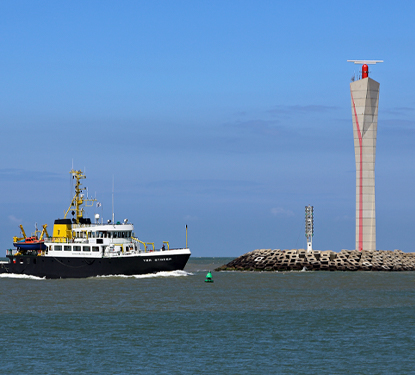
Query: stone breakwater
[316, 260]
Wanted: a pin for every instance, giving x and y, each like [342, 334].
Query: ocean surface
[243, 323]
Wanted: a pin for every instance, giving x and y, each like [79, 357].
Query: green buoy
[209, 278]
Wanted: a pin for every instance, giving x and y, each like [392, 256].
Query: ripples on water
[243, 323]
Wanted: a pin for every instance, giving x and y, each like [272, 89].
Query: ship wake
[177, 273]
[19, 276]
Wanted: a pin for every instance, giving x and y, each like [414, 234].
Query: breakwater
[316, 260]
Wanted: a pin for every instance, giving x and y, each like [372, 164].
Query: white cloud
[191, 218]
[278, 211]
[14, 219]
[344, 218]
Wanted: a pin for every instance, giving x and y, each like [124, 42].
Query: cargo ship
[79, 248]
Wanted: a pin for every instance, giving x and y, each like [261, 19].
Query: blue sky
[227, 116]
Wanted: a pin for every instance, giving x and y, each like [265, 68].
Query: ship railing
[76, 226]
[68, 240]
[117, 249]
[61, 240]
[145, 244]
[18, 252]
[148, 244]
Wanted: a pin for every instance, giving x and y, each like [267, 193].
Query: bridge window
[86, 248]
[58, 247]
[77, 248]
[67, 248]
[95, 248]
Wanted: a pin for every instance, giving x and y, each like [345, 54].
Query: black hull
[71, 267]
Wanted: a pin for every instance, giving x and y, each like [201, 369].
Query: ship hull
[73, 267]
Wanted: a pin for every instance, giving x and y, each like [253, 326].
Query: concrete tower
[309, 226]
[365, 98]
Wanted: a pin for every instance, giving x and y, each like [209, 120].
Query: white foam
[177, 273]
[19, 276]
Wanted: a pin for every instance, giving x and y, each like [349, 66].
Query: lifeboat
[30, 243]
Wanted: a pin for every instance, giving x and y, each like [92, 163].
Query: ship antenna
[113, 220]
[78, 200]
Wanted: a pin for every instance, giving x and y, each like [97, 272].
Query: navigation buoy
[209, 278]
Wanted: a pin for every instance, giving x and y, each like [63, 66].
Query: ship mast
[78, 200]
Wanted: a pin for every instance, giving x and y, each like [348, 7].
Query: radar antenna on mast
[368, 62]
[78, 200]
[365, 68]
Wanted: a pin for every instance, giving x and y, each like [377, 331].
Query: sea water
[243, 323]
